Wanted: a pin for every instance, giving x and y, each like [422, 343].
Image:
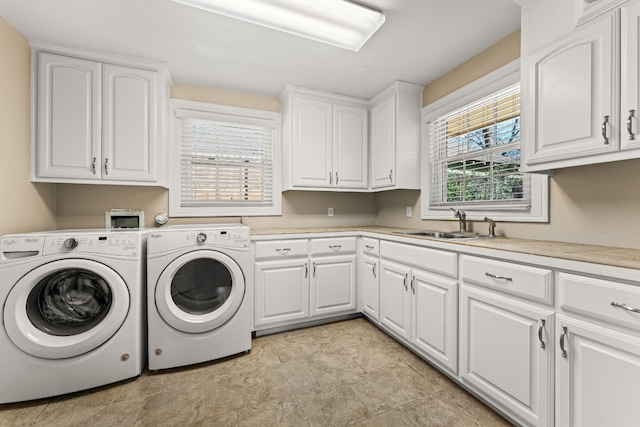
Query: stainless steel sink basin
[439, 234]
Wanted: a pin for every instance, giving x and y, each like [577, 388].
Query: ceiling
[420, 41]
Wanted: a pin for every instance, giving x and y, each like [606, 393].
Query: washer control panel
[115, 243]
[234, 236]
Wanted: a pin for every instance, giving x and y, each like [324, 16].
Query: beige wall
[25, 206]
[597, 204]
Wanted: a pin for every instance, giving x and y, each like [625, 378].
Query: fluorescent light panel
[336, 22]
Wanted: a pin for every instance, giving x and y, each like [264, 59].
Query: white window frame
[229, 114]
[499, 79]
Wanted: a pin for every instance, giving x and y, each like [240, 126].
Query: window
[472, 152]
[225, 161]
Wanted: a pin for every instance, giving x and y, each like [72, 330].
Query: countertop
[603, 255]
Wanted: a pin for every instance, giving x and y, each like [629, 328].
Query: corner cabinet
[581, 93]
[325, 140]
[395, 137]
[97, 120]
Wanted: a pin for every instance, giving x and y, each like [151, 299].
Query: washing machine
[199, 294]
[72, 310]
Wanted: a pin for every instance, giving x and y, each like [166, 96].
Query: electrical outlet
[330, 211]
[409, 212]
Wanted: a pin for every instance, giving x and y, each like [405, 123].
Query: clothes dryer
[199, 294]
[72, 309]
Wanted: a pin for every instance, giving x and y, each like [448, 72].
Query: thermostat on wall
[124, 218]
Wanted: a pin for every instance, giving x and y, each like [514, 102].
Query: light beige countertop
[604, 255]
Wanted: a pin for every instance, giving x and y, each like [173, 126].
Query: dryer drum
[201, 286]
[69, 302]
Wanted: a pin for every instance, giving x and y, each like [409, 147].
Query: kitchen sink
[439, 234]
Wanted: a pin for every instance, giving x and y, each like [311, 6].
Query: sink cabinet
[97, 120]
[418, 300]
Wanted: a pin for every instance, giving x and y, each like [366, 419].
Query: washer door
[199, 291]
[65, 308]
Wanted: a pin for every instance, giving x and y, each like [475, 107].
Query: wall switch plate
[409, 212]
[330, 211]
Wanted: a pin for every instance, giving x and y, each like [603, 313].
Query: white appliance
[199, 294]
[72, 309]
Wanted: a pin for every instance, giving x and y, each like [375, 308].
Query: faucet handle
[459, 214]
[492, 226]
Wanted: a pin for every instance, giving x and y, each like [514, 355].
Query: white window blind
[225, 164]
[226, 161]
[475, 155]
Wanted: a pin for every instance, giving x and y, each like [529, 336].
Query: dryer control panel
[171, 239]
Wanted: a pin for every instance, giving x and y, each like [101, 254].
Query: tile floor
[344, 373]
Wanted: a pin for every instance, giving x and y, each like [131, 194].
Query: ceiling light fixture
[339, 23]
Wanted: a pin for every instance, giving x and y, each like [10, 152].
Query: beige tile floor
[344, 373]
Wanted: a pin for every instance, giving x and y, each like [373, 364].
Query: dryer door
[199, 291]
[66, 308]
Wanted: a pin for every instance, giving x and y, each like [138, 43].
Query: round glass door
[66, 308]
[200, 291]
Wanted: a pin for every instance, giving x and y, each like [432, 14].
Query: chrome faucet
[462, 217]
[492, 226]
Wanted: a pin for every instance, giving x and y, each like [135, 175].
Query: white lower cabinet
[420, 306]
[369, 280]
[597, 352]
[303, 279]
[502, 355]
[506, 353]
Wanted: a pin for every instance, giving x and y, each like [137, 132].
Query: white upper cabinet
[580, 91]
[325, 140]
[395, 137]
[97, 120]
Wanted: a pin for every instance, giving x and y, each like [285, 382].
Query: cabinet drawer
[434, 260]
[529, 282]
[281, 248]
[333, 245]
[370, 246]
[593, 297]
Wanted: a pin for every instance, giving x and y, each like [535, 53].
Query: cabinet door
[281, 291]
[312, 143]
[68, 123]
[395, 298]
[573, 96]
[333, 284]
[130, 123]
[383, 143]
[350, 154]
[371, 287]
[598, 380]
[435, 317]
[501, 354]
[630, 126]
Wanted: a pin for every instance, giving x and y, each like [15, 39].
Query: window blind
[226, 163]
[475, 155]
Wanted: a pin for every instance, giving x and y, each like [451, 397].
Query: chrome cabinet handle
[493, 276]
[374, 269]
[337, 178]
[283, 250]
[335, 246]
[625, 306]
[413, 288]
[306, 270]
[93, 166]
[564, 334]
[629, 124]
[106, 166]
[391, 175]
[330, 178]
[542, 322]
[369, 247]
[314, 269]
[406, 276]
[604, 130]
